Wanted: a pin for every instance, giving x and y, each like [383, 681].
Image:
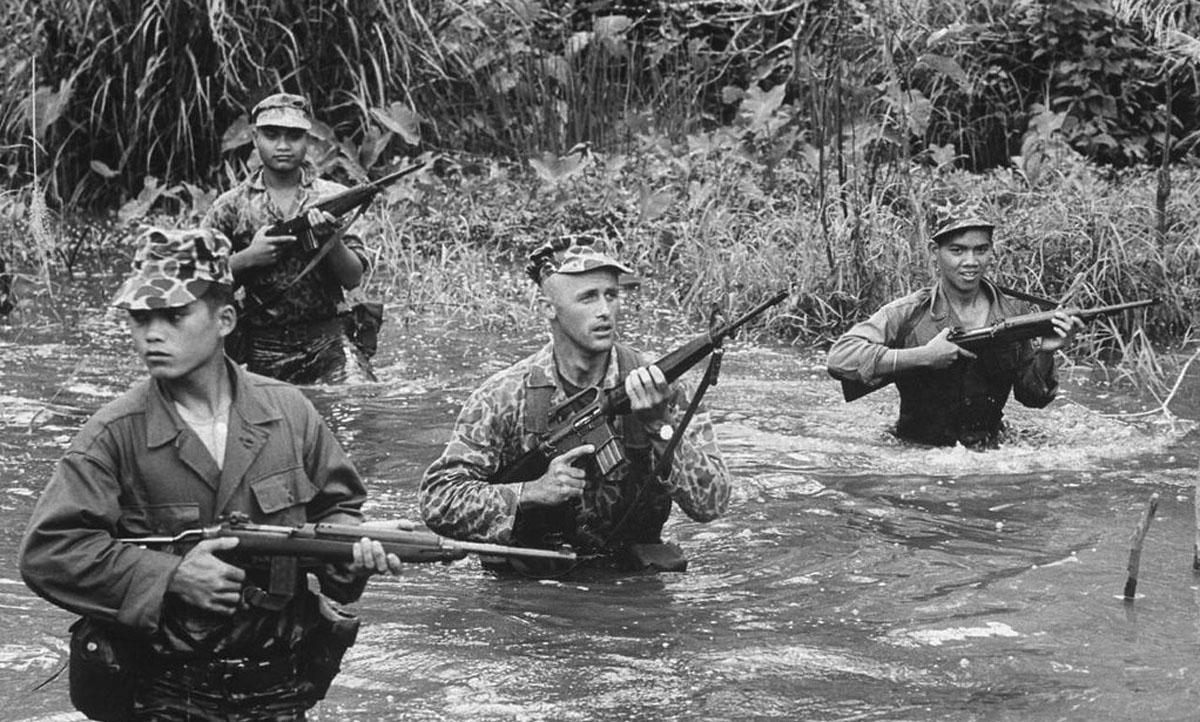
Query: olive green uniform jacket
[137, 469]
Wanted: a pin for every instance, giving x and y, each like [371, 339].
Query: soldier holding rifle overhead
[291, 323]
[949, 394]
[617, 516]
[173, 636]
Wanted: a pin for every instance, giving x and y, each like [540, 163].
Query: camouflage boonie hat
[567, 255]
[283, 110]
[949, 230]
[173, 268]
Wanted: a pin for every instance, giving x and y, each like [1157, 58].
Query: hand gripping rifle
[337, 205]
[1009, 330]
[585, 418]
[335, 542]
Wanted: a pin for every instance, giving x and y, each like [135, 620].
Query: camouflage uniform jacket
[491, 431]
[241, 211]
[137, 469]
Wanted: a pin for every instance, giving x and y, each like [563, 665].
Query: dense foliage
[728, 147]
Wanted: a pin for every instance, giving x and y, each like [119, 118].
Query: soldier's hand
[1065, 328]
[561, 482]
[322, 222]
[941, 353]
[207, 582]
[266, 250]
[370, 558]
[648, 392]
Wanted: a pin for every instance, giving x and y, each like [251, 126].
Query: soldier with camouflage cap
[949, 395]
[294, 326]
[618, 517]
[198, 440]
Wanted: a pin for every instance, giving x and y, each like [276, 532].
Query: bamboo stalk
[1135, 549]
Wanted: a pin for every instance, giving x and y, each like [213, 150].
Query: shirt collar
[163, 423]
[939, 308]
[544, 373]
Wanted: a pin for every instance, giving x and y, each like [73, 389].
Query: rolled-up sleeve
[858, 354]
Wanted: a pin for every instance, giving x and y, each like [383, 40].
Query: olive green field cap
[953, 228]
[172, 268]
[569, 256]
[282, 110]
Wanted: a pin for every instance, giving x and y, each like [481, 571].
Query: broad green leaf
[400, 120]
[102, 168]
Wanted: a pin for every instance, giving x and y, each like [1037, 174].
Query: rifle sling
[1043, 303]
[663, 468]
[323, 251]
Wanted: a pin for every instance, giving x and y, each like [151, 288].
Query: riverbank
[707, 227]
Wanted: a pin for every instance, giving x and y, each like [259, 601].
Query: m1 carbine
[335, 542]
[1018, 328]
[586, 417]
[337, 205]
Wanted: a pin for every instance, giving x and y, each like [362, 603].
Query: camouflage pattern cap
[282, 110]
[953, 228]
[567, 255]
[173, 268]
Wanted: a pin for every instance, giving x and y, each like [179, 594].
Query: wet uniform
[300, 336]
[963, 403]
[137, 469]
[500, 421]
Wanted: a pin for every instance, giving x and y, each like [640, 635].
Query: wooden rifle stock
[335, 542]
[1009, 330]
[337, 205]
[581, 422]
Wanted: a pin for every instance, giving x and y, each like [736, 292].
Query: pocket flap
[283, 490]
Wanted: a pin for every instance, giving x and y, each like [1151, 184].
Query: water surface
[854, 577]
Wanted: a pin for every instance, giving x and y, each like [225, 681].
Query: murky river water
[853, 578]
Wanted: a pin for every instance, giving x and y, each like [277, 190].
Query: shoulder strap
[1042, 303]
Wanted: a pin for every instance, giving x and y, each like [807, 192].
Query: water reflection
[855, 578]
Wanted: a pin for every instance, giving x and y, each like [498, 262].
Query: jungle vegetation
[727, 147]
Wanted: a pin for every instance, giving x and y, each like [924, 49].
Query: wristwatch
[664, 431]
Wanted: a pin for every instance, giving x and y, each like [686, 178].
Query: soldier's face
[281, 149]
[584, 308]
[174, 342]
[964, 260]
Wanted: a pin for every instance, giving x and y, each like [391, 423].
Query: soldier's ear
[226, 319]
[546, 306]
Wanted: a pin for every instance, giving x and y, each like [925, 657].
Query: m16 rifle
[337, 205]
[586, 417]
[1018, 328]
[335, 542]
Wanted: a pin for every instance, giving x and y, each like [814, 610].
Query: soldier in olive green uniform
[196, 441]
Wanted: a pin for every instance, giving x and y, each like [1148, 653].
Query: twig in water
[1135, 549]
[1163, 406]
[1196, 542]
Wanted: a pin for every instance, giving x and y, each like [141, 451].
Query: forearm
[344, 264]
[456, 501]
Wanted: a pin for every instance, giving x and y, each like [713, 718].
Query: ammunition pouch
[322, 650]
[363, 324]
[102, 672]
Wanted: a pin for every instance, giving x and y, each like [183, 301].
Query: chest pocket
[281, 496]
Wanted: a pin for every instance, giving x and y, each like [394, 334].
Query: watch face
[665, 432]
